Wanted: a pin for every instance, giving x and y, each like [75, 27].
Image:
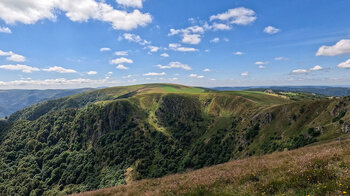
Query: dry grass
[315, 170]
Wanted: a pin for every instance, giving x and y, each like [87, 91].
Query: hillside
[316, 170]
[113, 136]
[14, 100]
[320, 90]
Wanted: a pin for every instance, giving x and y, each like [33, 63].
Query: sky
[59, 44]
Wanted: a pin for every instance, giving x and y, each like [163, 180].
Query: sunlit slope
[108, 94]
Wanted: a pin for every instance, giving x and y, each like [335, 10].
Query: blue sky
[91, 43]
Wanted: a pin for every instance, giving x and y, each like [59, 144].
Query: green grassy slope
[112, 136]
[317, 170]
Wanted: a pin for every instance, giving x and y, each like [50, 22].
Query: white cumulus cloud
[135, 38]
[121, 60]
[271, 30]
[5, 30]
[18, 67]
[59, 70]
[316, 68]
[92, 72]
[178, 47]
[154, 74]
[215, 40]
[175, 65]
[153, 48]
[191, 39]
[195, 76]
[238, 16]
[207, 70]
[345, 65]
[341, 47]
[304, 71]
[130, 3]
[104, 49]
[11, 56]
[261, 63]
[121, 53]
[29, 12]
[164, 55]
[122, 67]
[221, 26]
[244, 74]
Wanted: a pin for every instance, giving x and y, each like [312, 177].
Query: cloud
[191, 39]
[239, 53]
[344, 65]
[121, 53]
[11, 56]
[155, 74]
[172, 65]
[304, 71]
[130, 3]
[122, 67]
[153, 48]
[121, 60]
[29, 12]
[195, 76]
[271, 30]
[5, 30]
[173, 79]
[59, 70]
[129, 76]
[262, 67]
[189, 30]
[300, 71]
[206, 70]
[238, 16]
[190, 35]
[220, 26]
[178, 47]
[341, 47]
[164, 55]
[55, 83]
[281, 58]
[18, 67]
[135, 38]
[244, 74]
[215, 40]
[92, 72]
[104, 49]
[261, 63]
[108, 75]
[316, 68]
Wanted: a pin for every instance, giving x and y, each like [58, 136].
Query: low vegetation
[315, 170]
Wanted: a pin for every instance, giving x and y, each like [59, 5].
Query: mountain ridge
[107, 137]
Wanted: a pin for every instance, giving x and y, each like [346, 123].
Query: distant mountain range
[14, 100]
[321, 90]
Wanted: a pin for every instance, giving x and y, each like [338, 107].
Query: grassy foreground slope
[113, 136]
[316, 170]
